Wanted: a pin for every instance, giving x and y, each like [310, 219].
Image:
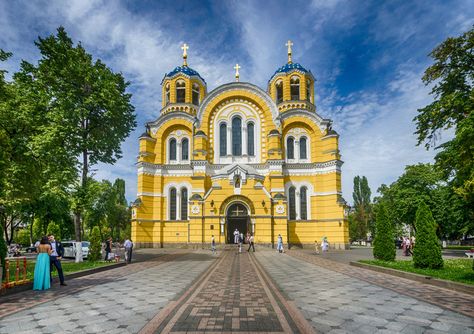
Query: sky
[368, 58]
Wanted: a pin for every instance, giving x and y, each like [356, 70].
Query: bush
[384, 246]
[55, 230]
[95, 245]
[427, 251]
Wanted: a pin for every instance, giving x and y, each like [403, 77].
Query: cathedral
[239, 157]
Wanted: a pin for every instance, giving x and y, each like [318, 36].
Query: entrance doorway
[237, 218]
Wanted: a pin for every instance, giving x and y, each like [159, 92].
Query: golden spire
[237, 75]
[185, 54]
[289, 44]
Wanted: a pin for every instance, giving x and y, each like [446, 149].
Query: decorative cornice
[322, 123]
[156, 124]
[286, 106]
[184, 107]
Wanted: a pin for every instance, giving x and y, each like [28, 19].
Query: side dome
[287, 68]
[183, 88]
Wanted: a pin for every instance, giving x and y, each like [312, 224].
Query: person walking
[251, 245]
[241, 241]
[316, 246]
[108, 248]
[128, 245]
[57, 252]
[42, 278]
[213, 244]
[325, 245]
[280, 244]
[236, 236]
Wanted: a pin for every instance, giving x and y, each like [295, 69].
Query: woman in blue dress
[42, 280]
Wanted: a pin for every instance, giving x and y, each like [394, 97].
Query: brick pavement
[233, 296]
[336, 300]
[449, 299]
[120, 300]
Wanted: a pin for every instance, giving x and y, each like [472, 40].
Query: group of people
[127, 244]
[324, 245]
[50, 253]
[407, 245]
[239, 240]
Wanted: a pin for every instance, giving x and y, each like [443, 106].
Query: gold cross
[289, 44]
[185, 47]
[237, 75]
[237, 211]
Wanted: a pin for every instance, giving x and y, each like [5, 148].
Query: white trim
[150, 194]
[309, 193]
[178, 187]
[297, 134]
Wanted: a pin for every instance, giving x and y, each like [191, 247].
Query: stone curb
[29, 286]
[459, 287]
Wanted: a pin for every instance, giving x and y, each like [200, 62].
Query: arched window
[236, 136]
[196, 94]
[290, 148]
[308, 91]
[292, 200]
[185, 149]
[180, 91]
[172, 149]
[184, 204]
[250, 139]
[303, 203]
[173, 204]
[167, 94]
[223, 140]
[279, 91]
[295, 88]
[303, 149]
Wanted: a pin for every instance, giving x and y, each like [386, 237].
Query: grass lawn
[458, 270]
[68, 268]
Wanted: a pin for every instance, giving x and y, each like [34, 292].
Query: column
[178, 151]
[297, 150]
[244, 140]
[297, 204]
[229, 142]
[178, 204]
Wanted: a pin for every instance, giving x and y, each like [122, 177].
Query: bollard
[7, 281]
[24, 269]
[17, 271]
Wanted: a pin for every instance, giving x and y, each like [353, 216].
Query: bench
[470, 254]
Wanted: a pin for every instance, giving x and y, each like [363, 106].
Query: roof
[145, 135]
[186, 70]
[200, 133]
[274, 132]
[289, 68]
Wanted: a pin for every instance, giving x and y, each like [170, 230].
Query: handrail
[19, 268]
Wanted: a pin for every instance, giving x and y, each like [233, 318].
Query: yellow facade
[263, 162]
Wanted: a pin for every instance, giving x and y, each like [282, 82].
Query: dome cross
[237, 75]
[289, 44]
[185, 47]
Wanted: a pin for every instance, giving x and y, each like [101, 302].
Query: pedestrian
[251, 245]
[316, 246]
[408, 246]
[42, 278]
[404, 246]
[128, 245]
[213, 244]
[108, 248]
[241, 241]
[412, 243]
[280, 244]
[57, 252]
[236, 236]
[325, 245]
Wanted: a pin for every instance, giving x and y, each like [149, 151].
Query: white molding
[150, 194]
[327, 193]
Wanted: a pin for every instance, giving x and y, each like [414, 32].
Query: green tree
[453, 89]
[95, 244]
[3, 251]
[55, 230]
[427, 251]
[23, 237]
[384, 245]
[81, 97]
[361, 220]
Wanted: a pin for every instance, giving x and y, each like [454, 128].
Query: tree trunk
[31, 228]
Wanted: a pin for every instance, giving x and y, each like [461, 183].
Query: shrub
[55, 230]
[427, 250]
[95, 245]
[23, 237]
[384, 245]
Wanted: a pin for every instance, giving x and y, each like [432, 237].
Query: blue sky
[368, 58]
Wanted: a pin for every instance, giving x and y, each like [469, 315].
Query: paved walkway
[336, 298]
[185, 291]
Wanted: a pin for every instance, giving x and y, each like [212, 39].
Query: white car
[70, 249]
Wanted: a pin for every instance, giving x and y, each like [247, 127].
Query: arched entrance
[237, 217]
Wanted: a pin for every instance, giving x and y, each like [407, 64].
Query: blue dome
[185, 70]
[290, 67]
